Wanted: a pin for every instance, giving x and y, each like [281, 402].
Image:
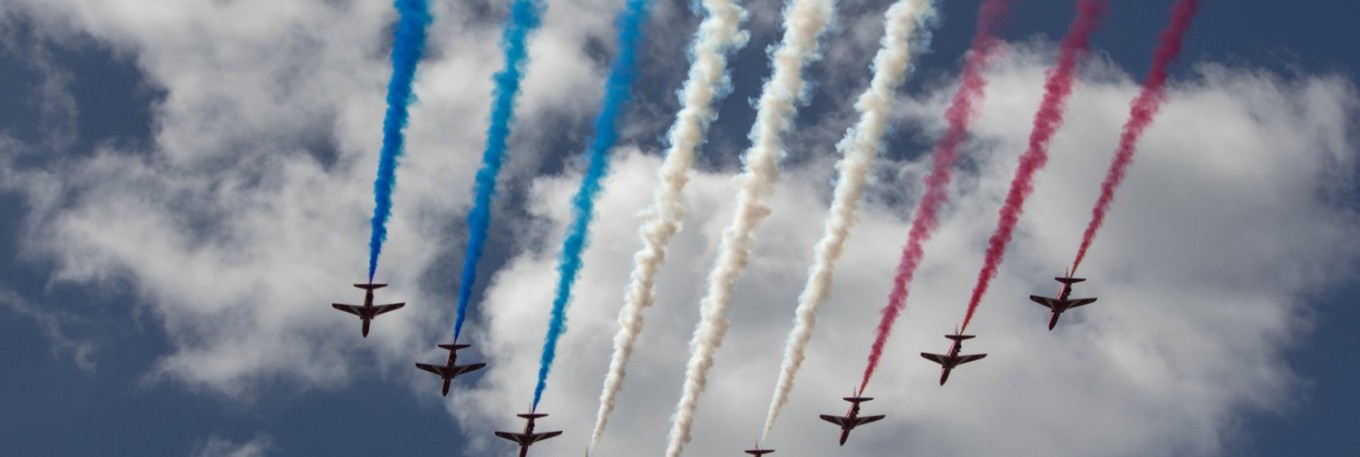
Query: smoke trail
[621, 75]
[859, 148]
[804, 21]
[962, 109]
[1057, 89]
[718, 35]
[524, 19]
[407, 47]
[1143, 109]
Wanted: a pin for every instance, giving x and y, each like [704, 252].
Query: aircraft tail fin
[1068, 280]
[857, 399]
[454, 347]
[960, 337]
[370, 286]
[533, 415]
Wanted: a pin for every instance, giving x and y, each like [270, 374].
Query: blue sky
[97, 358]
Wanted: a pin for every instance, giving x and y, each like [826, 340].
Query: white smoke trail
[859, 147]
[804, 21]
[718, 34]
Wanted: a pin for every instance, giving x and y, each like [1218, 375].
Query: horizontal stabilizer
[370, 286]
[857, 399]
[959, 337]
[758, 452]
[533, 415]
[1069, 280]
[454, 347]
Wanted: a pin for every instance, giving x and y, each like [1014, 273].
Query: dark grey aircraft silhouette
[953, 359]
[1062, 303]
[758, 451]
[451, 368]
[528, 437]
[851, 419]
[368, 311]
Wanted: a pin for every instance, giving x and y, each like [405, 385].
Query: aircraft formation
[719, 34]
[848, 422]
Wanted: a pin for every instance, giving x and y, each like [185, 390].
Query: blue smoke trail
[524, 18]
[620, 80]
[407, 48]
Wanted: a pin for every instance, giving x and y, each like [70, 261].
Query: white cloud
[251, 212]
[216, 446]
[53, 324]
[235, 237]
[1225, 227]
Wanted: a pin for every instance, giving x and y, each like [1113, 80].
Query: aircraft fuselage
[951, 361]
[852, 414]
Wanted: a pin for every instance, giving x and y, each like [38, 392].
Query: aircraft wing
[937, 358]
[431, 368]
[969, 358]
[1047, 302]
[465, 369]
[838, 420]
[385, 308]
[352, 309]
[868, 419]
[520, 438]
[543, 436]
[1081, 302]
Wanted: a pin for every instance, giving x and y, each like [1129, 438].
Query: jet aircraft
[1062, 303]
[758, 451]
[953, 359]
[851, 419]
[451, 368]
[368, 311]
[528, 437]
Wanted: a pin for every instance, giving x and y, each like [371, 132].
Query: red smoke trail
[1140, 115]
[959, 115]
[1057, 88]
